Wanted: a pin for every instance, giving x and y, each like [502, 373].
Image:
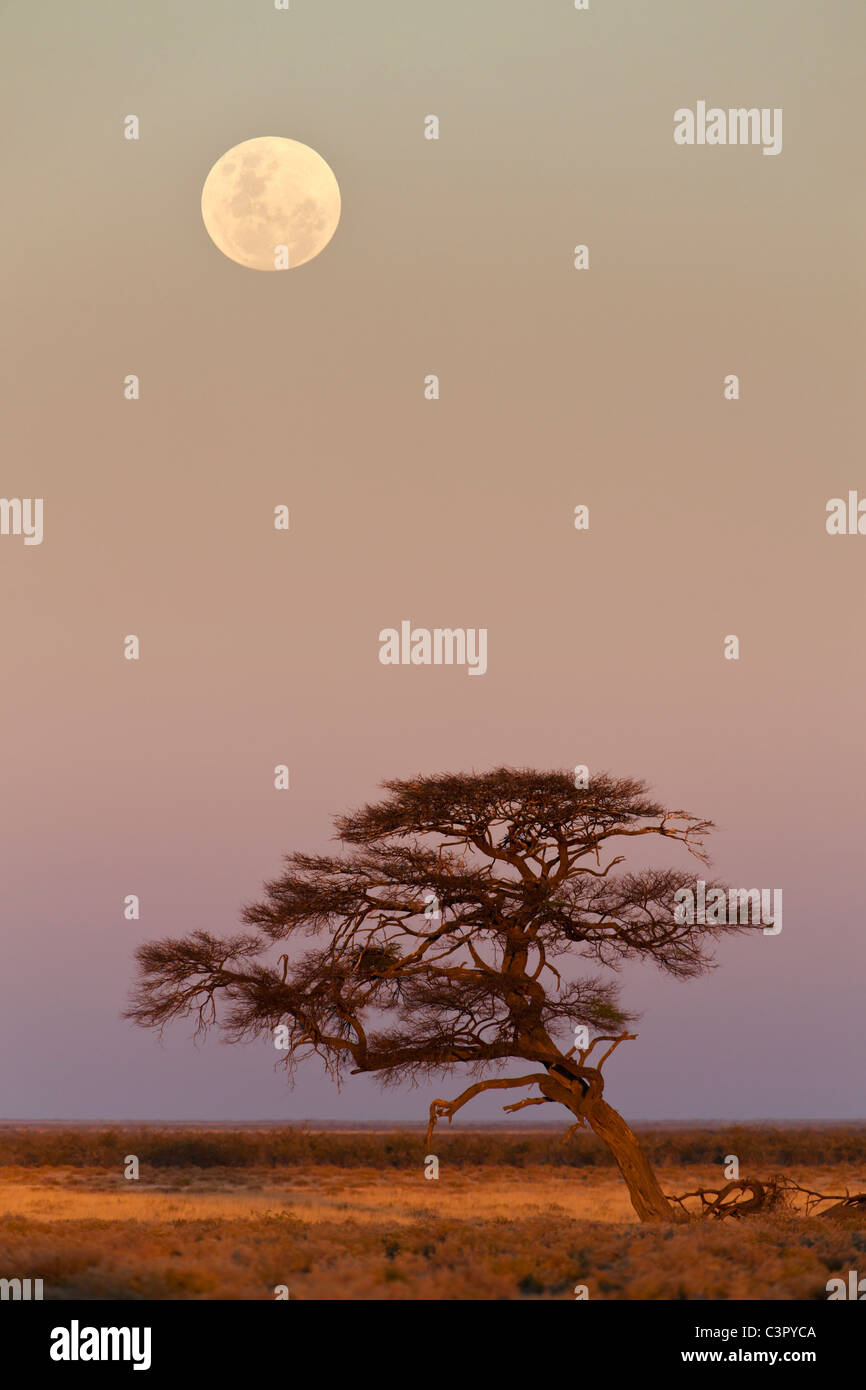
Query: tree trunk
[647, 1198]
[588, 1104]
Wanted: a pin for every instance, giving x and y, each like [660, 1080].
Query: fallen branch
[753, 1197]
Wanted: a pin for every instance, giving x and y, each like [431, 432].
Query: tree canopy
[441, 936]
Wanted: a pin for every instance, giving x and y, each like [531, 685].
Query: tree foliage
[440, 930]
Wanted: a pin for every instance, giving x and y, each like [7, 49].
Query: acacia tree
[448, 926]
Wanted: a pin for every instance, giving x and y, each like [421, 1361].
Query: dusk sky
[558, 387]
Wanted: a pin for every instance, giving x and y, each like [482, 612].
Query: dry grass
[320, 1194]
[349, 1231]
[327, 1194]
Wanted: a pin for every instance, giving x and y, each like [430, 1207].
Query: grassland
[334, 1215]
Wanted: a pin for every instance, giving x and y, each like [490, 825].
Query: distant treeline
[279, 1148]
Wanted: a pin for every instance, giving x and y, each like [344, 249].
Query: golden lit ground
[322, 1194]
[328, 1232]
[330, 1194]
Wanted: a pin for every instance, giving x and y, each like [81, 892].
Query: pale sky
[558, 387]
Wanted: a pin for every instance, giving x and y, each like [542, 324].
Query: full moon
[270, 203]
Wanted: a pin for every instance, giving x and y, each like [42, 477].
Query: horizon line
[422, 1124]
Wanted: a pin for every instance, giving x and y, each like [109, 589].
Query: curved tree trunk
[647, 1198]
[591, 1108]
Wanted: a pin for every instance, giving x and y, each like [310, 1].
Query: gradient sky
[558, 387]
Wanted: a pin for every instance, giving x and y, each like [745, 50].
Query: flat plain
[238, 1213]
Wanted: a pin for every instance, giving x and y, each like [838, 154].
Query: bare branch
[447, 1109]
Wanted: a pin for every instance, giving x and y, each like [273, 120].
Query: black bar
[218, 1339]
